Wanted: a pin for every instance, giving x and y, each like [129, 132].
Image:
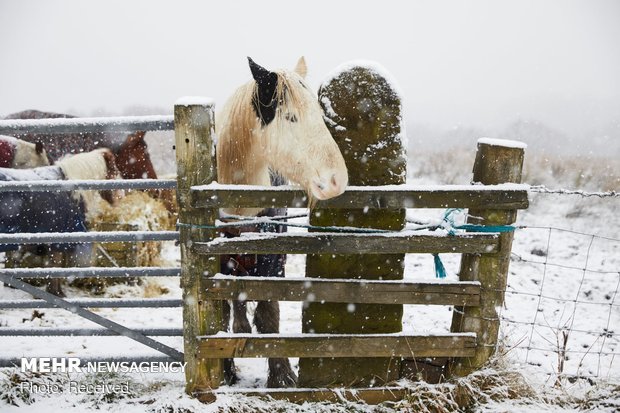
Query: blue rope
[440, 270]
[449, 225]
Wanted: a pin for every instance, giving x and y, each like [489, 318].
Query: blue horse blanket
[51, 211]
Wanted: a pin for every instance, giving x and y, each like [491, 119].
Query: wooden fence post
[497, 162]
[364, 114]
[195, 154]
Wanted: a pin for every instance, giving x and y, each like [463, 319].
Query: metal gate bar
[86, 184]
[97, 303]
[87, 272]
[85, 237]
[95, 124]
[14, 361]
[83, 332]
[111, 325]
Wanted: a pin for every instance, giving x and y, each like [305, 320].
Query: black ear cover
[264, 102]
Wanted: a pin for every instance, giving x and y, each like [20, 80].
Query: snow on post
[363, 112]
[497, 162]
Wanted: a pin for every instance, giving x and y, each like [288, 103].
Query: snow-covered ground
[542, 302]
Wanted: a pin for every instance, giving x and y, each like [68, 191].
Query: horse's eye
[290, 117]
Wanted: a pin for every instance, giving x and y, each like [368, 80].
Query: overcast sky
[482, 63]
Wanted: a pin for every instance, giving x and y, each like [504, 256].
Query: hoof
[281, 374]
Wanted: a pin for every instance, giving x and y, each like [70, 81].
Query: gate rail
[78, 306]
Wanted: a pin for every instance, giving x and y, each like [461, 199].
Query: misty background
[545, 72]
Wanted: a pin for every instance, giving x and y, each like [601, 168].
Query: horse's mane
[239, 128]
[97, 164]
[89, 165]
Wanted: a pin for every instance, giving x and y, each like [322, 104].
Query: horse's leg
[240, 325]
[240, 322]
[230, 372]
[267, 320]
[57, 259]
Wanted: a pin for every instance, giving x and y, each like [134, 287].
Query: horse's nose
[330, 184]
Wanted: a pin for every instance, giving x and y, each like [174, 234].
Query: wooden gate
[476, 297]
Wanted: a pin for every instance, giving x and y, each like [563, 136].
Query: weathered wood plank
[336, 345]
[494, 164]
[343, 291]
[372, 396]
[339, 243]
[194, 148]
[395, 196]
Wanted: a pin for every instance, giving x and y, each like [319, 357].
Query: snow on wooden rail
[343, 290]
[374, 395]
[225, 345]
[405, 242]
[505, 196]
[81, 125]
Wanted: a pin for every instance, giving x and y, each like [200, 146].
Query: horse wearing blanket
[19, 154]
[269, 131]
[53, 211]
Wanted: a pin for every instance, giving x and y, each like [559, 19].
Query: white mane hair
[87, 165]
[302, 151]
[25, 153]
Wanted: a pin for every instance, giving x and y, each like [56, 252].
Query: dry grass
[585, 172]
[137, 211]
[495, 383]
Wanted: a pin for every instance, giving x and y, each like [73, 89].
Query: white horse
[19, 154]
[273, 125]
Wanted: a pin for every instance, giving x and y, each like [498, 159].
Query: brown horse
[131, 151]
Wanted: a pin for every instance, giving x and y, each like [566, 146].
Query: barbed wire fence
[587, 194]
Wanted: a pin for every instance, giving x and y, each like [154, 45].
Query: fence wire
[561, 191]
[574, 337]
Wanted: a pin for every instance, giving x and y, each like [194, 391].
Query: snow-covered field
[549, 294]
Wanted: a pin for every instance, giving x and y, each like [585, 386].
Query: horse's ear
[38, 147]
[264, 101]
[259, 73]
[134, 139]
[300, 68]
[139, 134]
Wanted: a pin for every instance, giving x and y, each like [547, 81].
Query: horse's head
[133, 160]
[275, 122]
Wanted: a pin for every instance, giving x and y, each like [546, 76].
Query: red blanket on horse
[7, 153]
